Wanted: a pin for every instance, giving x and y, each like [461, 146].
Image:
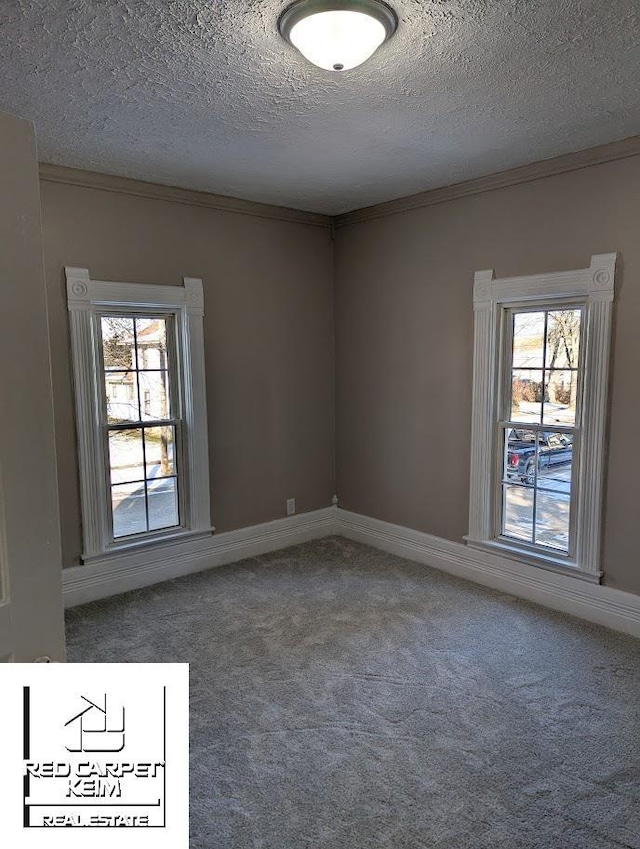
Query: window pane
[552, 520]
[563, 338]
[154, 394]
[528, 339]
[519, 453]
[159, 445]
[561, 391]
[128, 508]
[511, 457]
[517, 513]
[126, 459]
[163, 504]
[151, 338]
[121, 393]
[554, 462]
[526, 395]
[117, 342]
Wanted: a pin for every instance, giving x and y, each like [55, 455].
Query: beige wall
[404, 324]
[403, 335]
[29, 524]
[268, 339]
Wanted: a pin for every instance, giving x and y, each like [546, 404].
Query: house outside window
[541, 354]
[138, 364]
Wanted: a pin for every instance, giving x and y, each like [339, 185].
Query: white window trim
[594, 287]
[85, 298]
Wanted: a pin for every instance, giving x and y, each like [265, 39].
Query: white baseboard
[593, 602]
[600, 604]
[133, 570]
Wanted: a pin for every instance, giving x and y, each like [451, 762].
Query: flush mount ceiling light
[337, 35]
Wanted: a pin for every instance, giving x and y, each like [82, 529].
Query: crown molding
[611, 152]
[524, 174]
[123, 185]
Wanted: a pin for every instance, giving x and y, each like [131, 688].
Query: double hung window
[142, 421]
[539, 425]
[141, 412]
[539, 411]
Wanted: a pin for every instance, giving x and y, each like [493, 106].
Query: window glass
[539, 428]
[526, 395]
[118, 348]
[142, 469]
[528, 339]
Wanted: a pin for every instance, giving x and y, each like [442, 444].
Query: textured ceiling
[206, 95]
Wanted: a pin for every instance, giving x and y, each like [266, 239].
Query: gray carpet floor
[343, 698]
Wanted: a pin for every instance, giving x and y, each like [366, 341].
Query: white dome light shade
[337, 36]
[337, 41]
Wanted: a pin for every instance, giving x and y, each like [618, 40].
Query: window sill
[560, 565]
[142, 546]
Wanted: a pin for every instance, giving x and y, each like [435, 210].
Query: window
[537, 426]
[141, 413]
[539, 408]
[143, 440]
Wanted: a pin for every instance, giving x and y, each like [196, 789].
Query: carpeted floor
[343, 698]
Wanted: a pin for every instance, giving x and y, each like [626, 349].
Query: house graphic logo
[95, 733]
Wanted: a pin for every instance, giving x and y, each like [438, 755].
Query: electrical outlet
[291, 506]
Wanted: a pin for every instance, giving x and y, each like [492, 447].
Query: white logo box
[99, 750]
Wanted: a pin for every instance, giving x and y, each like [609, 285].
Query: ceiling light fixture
[337, 35]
